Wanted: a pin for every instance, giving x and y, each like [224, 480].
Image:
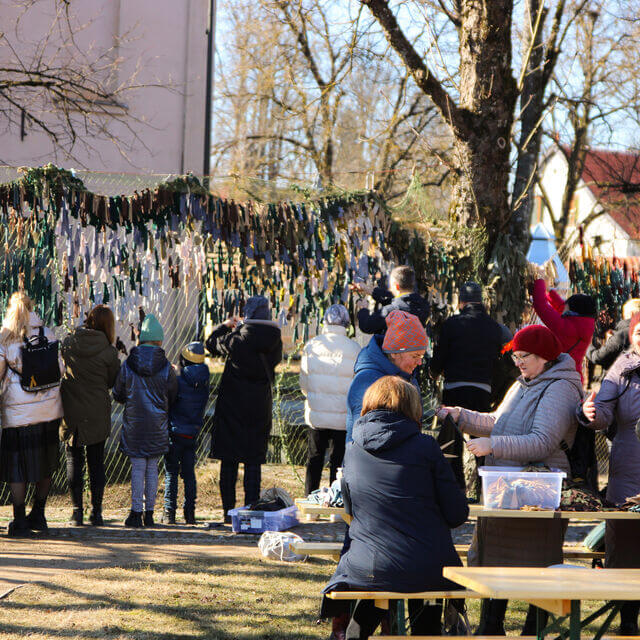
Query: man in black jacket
[402, 296]
[467, 351]
[606, 354]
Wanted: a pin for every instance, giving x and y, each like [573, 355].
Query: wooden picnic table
[558, 590]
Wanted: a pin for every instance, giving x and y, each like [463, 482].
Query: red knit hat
[537, 339]
[404, 333]
[635, 318]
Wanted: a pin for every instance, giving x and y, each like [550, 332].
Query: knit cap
[470, 292]
[337, 314]
[538, 339]
[193, 352]
[583, 305]
[257, 308]
[404, 333]
[151, 330]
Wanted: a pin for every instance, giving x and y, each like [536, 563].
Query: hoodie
[372, 364]
[146, 385]
[404, 500]
[185, 416]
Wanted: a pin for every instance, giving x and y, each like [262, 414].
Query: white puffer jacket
[326, 370]
[21, 408]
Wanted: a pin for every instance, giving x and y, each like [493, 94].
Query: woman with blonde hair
[30, 419]
[91, 367]
[398, 544]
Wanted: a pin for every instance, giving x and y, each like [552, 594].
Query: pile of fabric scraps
[519, 493]
[327, 496]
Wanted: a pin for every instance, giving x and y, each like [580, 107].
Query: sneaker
[169, 516]
[148, 519]
[134, 520]
[96, 518]
[76, 517]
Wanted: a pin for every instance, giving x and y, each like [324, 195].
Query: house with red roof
[606, 202]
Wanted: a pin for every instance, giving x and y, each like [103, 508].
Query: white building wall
[163, 48]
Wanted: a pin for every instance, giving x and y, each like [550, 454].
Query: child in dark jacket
[146, 385]
[185, 422]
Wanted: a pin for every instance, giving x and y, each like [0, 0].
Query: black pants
[75, 471]
[228, 479]
[319, 440]
[424, 620]
[471, 398]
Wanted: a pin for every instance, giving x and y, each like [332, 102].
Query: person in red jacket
[571, 320]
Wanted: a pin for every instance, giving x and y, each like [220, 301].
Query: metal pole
[211, 34]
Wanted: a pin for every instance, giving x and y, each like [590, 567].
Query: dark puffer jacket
[186, 413]
[146, 385]
[404, 501]
[469, 346]
[606, 354]
[91, 367]
[244, 407]
[375, 322]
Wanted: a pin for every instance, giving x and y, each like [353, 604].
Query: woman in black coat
[243, 411]
[404, 501]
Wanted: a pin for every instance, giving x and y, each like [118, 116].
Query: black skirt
[621, 544]
[31, 453]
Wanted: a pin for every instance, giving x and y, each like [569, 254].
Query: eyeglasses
[518, 359]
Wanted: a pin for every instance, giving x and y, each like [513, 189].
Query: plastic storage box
[512, 488]
[244, 520]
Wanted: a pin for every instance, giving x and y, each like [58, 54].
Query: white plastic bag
[275, 544]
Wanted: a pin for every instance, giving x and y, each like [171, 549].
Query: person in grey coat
[146, 385]
[619, 400]
[535, 419]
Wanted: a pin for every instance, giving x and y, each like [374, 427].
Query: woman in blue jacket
[404, 501]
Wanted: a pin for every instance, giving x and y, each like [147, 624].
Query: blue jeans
[144, 483]
[180, 460]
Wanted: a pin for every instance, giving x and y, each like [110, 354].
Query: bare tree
[55, 85]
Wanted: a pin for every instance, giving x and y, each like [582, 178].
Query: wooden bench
[333, 549]
[382, 598]
[458, 637]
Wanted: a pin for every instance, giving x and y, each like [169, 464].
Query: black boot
[97, 492]
[77, 517]
[492, 618]
[134, 520]
[36, 519]
[18, 527]
[76, 501]
[629, 618]
[190, 515]
[148, 519]
[169, 516]
[530, 627]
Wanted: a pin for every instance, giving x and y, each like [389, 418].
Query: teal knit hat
[151, 330]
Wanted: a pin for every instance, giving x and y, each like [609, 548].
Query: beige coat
[532, 420]
[21, 408]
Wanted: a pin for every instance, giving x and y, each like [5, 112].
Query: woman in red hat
[535, 417]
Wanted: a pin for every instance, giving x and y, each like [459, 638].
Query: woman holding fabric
[619, 400]
[30, 420]
[243, 412]
[531, 426]
[398, 543]
[91, 367]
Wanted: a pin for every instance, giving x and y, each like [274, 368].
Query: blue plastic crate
[244, 520]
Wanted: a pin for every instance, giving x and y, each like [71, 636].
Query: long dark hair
[101, 318]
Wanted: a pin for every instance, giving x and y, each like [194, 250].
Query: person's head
[582, 305]
[402, 280]
[532, 348]
[193, 353]
[16, 318]
[151, 331]
[257, 308]
[100, 318]
[630, 307]
[393, 394]
[337, 315]
[470, 293]
[405, 341]
[634, 332]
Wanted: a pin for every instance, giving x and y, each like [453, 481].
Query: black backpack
[40, 368]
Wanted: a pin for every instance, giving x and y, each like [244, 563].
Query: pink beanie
[404, 333]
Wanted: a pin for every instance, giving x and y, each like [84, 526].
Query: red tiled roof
[614, 179]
